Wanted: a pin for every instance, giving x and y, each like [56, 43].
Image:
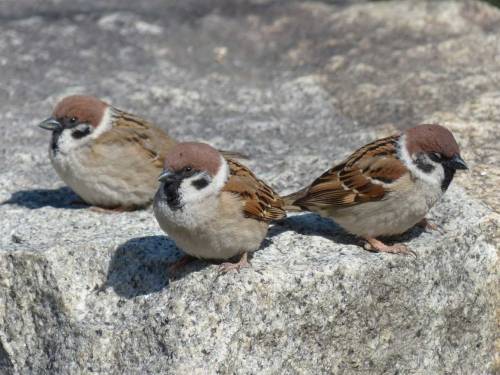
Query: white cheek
[105, 124]
[66, 143]
[190, 194]
[435, 177]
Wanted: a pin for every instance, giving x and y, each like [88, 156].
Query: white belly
[103, 183]
[211, 232]
[395, 214]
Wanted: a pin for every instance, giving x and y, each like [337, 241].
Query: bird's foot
[398, 248]
[429, 226]
[228, 266]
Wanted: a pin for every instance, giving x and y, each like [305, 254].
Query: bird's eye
[188, 169]
[436, 156]
[73, 120]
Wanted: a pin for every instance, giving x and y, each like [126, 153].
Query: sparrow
[213, 207]
[109, 157]
[385, 187]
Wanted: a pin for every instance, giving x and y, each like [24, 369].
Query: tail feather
[291, 201]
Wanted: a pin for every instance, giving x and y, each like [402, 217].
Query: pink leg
[394, 249]
[228, 266]
[429, 226]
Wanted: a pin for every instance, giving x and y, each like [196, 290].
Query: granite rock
[296, 85]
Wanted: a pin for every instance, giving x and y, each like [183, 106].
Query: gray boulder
[297, 85]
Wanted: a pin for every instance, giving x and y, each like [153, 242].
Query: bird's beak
[167, 176]
[51, 124]
[457, 162]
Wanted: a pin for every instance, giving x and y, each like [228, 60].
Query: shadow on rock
[63, 197]
[141, 266]
[310, 224]
[313, 224]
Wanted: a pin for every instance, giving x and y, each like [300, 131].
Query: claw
[228, 266]
[398, 248]
[430, 226]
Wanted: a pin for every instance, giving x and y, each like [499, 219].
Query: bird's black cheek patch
[200, 183]
[423, 165]
[80, 133]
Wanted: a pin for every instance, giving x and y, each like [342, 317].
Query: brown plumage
[140, 137]
[431, 138]
[356, 180]
[261, 202]
[385, 187]
[109, 157]
[88, 109]
[214, 207]
[195, 155]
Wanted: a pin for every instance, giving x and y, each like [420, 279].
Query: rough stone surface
[298, 85]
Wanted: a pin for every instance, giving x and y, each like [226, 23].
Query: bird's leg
[228, 266]
[180, 263]
[429, 226]
[379, 246]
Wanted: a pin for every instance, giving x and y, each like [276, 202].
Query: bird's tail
[292, 201]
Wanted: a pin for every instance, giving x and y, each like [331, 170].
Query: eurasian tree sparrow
[213, 207]
[109, 157]
[385, 187]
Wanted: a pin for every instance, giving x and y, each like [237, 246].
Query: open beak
[457, 162]
[51, 124]
[167, 177]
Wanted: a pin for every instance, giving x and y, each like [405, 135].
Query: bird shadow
[62, 197]
[310, 224]
[140, 266]
[313, 224]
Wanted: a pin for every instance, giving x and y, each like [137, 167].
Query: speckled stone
[296, 85]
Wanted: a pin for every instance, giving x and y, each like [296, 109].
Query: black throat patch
[449, 173]
[54, 141]
[171, 191]
[171, 187]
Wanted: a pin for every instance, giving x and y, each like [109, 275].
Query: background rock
[298, 85]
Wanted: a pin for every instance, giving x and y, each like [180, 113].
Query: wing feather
[260, 201]
[365, 176]
[138, 136]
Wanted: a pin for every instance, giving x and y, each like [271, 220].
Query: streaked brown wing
[260, 201]
[361, 178]
[153, 139]
[143, 138]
